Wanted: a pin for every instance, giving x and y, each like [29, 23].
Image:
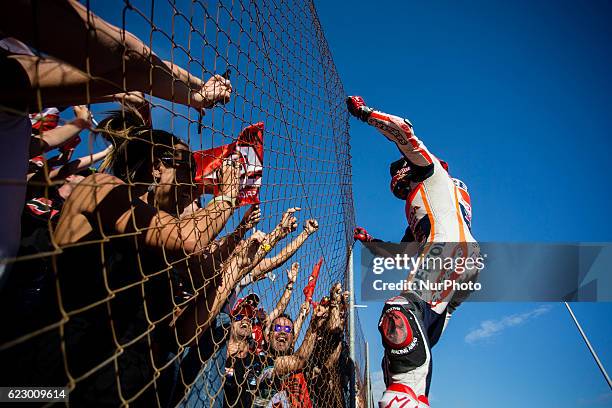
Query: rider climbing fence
[123, 288]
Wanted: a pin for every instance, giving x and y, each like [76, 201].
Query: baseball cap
[246, 305]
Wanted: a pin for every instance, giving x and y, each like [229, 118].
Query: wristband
[266, 247]
[289, 286]
[225, 198]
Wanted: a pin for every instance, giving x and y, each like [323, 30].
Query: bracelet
[266, 247]
[289, 286]
[227, 199]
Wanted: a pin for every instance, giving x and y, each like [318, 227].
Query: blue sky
[516, 96]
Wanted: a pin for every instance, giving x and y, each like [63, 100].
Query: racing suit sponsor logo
[397, 134]
[408, 349]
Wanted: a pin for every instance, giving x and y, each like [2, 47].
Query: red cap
[246, 305]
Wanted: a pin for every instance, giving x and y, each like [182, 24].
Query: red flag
[312, 281]
[44, 121]
[249, 150]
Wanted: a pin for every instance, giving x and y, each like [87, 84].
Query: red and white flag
[312, 282]
[248, 149]
[46, 120]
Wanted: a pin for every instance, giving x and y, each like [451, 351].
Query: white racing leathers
[439, 214]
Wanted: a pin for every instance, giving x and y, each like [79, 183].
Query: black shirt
[241, 380]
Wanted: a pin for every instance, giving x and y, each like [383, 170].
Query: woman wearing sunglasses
[120, 238]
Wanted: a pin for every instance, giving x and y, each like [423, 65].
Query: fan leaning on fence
[120, 234]
[81, 59]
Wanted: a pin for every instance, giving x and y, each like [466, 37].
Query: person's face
[174, 191]
[242, 326]
[281, 335]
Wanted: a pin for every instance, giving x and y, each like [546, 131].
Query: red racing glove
[357, 107]
[360, 234]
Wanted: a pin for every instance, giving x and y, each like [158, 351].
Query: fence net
[167, 255]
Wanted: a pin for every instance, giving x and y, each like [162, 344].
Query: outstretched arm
[284, 299]
[297, 361]
[287, 224]
[221, 250]
[267, 243]
[113, 59]
[79, 164]
[299, 321]
[112, 201]
[287, 252]
[227, 244]
[60, 135]
[394, 128]
[210, 299]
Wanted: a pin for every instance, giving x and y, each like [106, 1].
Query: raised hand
[288, 222]
[320, 314]
[292, 272]
[361, 234]
[216, 90]
[83, 115]
[251, 217]
[311, 226]
[337, 310]
[305, 309]
[247, 249]
[229, 177]
[357, 107]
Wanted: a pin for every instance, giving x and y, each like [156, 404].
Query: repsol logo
[247, 193]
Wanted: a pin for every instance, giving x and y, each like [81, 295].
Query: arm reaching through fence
[287, 252]
[286, 296]
[113, 59]
[61, 135]
[210, 300]
[161, 165]
[299, 321]
[79, 164]
[227, 244]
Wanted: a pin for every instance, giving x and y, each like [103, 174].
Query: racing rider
[438, 212]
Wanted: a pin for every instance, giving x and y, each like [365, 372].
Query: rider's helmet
[400, 178]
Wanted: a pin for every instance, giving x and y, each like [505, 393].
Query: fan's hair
[137, 146]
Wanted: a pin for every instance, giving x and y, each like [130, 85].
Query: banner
[312, 281]
[248, 149]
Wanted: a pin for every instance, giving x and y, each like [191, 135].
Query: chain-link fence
[157, 268]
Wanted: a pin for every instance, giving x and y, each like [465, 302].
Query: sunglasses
[281, 328]
[240, 317]
[182, 162]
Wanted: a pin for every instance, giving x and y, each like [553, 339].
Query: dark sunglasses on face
[179, 159]
[241, 317]
[280, 328]
[179, 164]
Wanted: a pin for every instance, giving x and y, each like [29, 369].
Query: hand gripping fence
[162, 260]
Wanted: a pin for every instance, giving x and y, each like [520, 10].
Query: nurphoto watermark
[444, 271]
